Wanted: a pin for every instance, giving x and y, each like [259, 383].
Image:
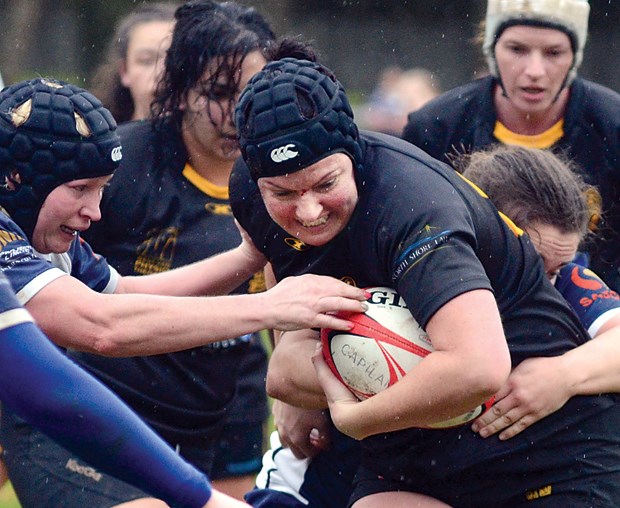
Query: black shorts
[43, 472]
[593, 492]
[578, 467]
[238, 452]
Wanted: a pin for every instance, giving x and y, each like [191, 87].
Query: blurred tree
[67, 38]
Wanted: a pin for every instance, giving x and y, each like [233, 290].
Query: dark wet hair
[208, 34]
[106, 80]
[531, 185]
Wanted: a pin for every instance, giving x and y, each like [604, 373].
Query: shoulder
[403, 173]
[244, 195]
[452, 103]
[593, 102]
[138, 132]
[453, 119]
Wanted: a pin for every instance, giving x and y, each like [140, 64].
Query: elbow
[102, 339]
[278, 385]
[489, 380]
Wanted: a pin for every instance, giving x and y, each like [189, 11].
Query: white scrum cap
[570, 16]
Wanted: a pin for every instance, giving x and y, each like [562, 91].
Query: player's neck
[529, 123]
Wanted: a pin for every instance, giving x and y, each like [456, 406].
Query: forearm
[72, 407]
[130, 325]
[217, 275]
[291, 377]
[594, 367]
[440, 387]
[74, 316]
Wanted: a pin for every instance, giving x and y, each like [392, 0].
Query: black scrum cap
[51, 132]
[292, 114]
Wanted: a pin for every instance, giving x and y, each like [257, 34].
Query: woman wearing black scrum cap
[58, 149]
[319, 197]
[533, 97]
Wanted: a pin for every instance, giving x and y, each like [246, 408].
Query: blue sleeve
[591, 299]
[55, 395]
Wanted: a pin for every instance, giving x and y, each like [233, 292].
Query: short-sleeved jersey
[159, 214]
[29, 271]
[423, 229]
[591, 299]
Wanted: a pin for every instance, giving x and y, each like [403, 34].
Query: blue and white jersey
[29, 271]
[592, 300]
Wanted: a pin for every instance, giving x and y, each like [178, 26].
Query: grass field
[7, 497]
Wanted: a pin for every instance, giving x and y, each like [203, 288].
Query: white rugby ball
[383, 345]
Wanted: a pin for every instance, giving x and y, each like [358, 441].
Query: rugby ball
[384, 344]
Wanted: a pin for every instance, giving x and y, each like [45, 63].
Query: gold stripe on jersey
[513, 227]
[476, 188]
[201, 183]
[543, 140]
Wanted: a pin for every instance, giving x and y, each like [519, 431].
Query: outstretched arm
[74, 316]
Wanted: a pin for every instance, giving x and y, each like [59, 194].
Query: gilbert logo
[283, 153]
[117, 154]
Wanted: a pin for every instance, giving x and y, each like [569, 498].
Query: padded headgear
[51, 132]
[292, 114]
[570, 16]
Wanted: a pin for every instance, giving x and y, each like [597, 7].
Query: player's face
[556, 248]
[314, 204]
[533, 63]
[208, 129]
[67, 210]
[144, 63]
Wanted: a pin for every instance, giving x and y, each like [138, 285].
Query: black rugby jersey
[463, 120]
[421, 228]
[159, 214]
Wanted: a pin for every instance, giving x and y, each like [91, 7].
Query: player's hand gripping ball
[384, 344]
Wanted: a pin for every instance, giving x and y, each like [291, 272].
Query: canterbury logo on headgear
[116, 154]
[283, 153]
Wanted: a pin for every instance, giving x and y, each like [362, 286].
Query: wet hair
[531, 186]
[208, 36]
[106, 79]
[292, 47]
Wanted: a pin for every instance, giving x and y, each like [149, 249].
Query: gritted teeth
[318, 222]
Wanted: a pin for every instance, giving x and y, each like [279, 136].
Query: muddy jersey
[159, 214]
[421, 228]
